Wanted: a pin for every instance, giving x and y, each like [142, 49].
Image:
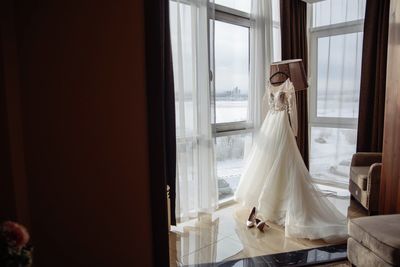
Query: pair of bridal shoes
[254, 221]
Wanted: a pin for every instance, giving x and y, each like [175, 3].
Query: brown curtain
[161, 123]
[373, 76]
[294, 45]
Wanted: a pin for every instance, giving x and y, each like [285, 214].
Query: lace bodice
[281, 98]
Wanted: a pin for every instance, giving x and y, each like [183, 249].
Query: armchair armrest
[374, 175]
[373, 187]
[366, 158]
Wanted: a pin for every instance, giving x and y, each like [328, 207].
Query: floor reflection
[200, 240]
[316, 256]
[223, 237]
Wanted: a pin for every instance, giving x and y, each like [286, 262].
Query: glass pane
[242, 5]
[231, 152]
[337, 11]
[331, 152]
[338, 78]
[231, 72]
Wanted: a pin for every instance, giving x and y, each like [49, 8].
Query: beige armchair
[365, 174]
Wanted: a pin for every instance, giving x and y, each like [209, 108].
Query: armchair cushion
[359, 176]
[361, 256]
[380, 234]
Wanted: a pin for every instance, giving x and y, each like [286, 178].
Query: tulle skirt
[277, 182]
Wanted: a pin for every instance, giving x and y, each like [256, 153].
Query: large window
[215, 107]
[335, 49]
[232, 127]
[231, 79]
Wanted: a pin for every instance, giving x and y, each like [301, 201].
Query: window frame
[237, 18]
[234, 128]
[315, 34]
[354, 26]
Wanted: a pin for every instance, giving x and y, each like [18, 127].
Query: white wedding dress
[276, 181]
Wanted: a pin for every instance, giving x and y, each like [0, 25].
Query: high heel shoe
[261, 225]
[251, 221]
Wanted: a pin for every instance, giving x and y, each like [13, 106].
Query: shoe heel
[251, 221]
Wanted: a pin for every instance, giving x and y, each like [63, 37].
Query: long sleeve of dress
[265, 104]
[293, 110]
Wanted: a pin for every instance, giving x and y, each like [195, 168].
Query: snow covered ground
[230, 111]
[331, 152]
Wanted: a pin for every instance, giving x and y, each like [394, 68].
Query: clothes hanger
[276, 73]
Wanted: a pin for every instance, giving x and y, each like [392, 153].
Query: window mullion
[232, 19]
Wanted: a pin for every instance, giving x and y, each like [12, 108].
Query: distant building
[234, 94]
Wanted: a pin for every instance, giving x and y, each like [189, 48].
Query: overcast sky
[231, 57]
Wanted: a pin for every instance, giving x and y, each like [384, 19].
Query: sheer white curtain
[196, 179]
[261, 51]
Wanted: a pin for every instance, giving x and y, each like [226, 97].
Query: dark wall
[7, 194]
[390, 180]
[83, 115]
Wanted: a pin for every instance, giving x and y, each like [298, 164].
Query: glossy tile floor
[223, 236]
